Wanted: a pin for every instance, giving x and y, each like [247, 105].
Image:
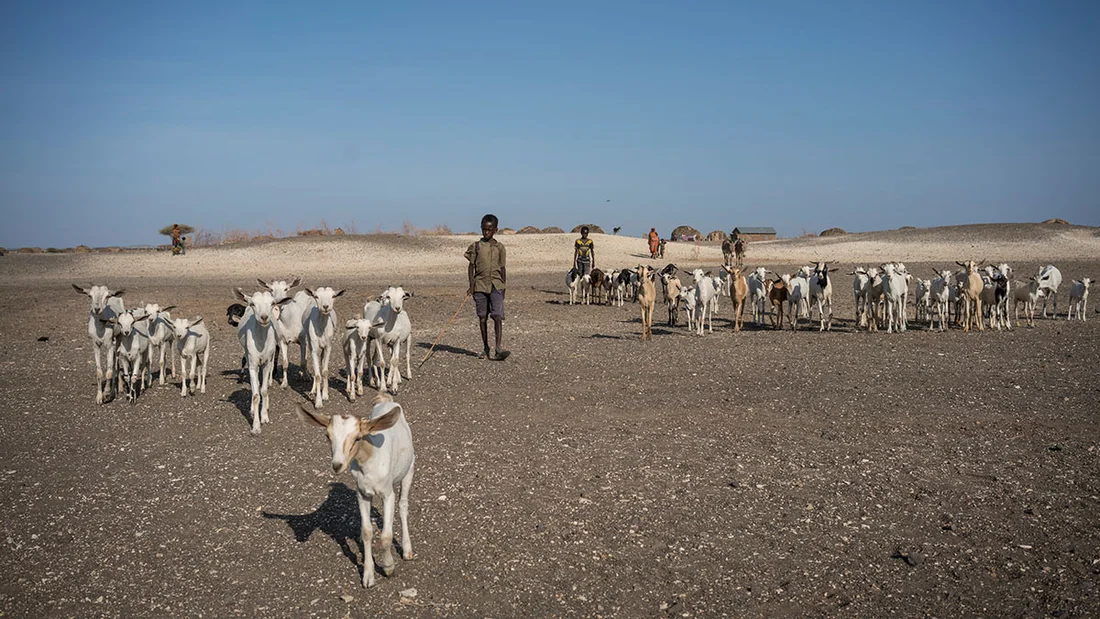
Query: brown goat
[777, 297]
[739, 289]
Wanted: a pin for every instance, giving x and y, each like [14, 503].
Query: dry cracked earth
[762, 473]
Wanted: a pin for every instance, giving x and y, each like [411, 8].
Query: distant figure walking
[654, 243]
[584, 253]
[177, 240]
[661, 249]
[727, 252]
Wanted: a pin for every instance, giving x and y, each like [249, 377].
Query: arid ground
[754, 474]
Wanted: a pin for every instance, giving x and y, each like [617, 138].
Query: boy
[487, 274]
[584, 253]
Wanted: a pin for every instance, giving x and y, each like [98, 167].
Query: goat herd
[270, 320]
[973, 296]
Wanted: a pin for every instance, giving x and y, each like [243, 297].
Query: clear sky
[119, 118]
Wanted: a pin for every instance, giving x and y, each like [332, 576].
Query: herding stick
[467, 298]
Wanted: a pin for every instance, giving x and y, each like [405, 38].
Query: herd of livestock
[974, 296]
[378, 448]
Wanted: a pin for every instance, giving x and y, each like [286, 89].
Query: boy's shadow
[454, 350]
[337, 517]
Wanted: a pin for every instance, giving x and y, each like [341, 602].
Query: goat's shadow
[242, 399]
[338, 518]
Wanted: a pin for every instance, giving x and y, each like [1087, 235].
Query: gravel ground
[754, 474]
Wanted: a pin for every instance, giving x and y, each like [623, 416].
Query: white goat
[106, 305]
[1028, 294]
[861, 284]
[319, 324]
[940, 295]
[706, 292]
[256, 332]
[923, 301]
[894, 289]
[160, 337]
[379, 452]
[1050, 278]
[671, 287]
[374, 348]
[193, 345]
[1079, 297]
[689, 301]
[357, 349]
[393, 329]
[132, 342]
[821, 291]
[290, 325]
[798, 296]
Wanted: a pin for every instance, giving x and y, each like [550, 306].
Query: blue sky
[119, 118]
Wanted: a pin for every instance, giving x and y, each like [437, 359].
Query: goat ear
[116, 293]
[311, 418]
[385, 422]
[170, 307]
[310, 293]
[297, 280]
[196, 321]
[283, 302]
[351, 323]
[240, 295]
[339, 292]
[408, 293]
[263, 284]
[80, 290]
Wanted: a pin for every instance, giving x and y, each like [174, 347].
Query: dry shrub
[82, 249]
[184, 228]
[1056, 220]
[806, 234]
[834, 232]
[313, 232]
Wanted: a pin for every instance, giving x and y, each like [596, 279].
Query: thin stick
[467, 298]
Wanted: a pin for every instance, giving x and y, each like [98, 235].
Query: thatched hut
[592, 229]
[528, 230]
[717, 235]
[1057, 220]
[685, 233]
[833, 232]
[552, 230]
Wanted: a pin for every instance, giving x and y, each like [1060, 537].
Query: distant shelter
[755, 234]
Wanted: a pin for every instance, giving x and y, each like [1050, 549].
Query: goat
[1079, 297]
[595, 284]
[609, 284]
[320, 330]
[1028, 294]
[577, 285]
[758, 293]
[106, 305]
[133, 347]
[379, 452]
[688, 300]
[160, 337]
[821, 290]
[798, 291]
[290, 325]
[705, 294]
[671, 287]
[972, 289]
[371, 309]
[193, 345]
[393, 329]
[233, 314]
[860, 289]
[357, 343]
[894, 290]
[778, 294]
[647, 297]
[940, 294]
[874, 305]
[739, 289]
[256, 333]
[1050, 278]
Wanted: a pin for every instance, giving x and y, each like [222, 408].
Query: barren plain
[762, 473]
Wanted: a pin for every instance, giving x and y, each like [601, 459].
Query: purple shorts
[482, 301]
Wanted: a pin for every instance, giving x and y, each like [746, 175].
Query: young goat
[379, 452]
[133, 348]
[1079, 297]
[160, 337]
[256, 333]
[193, 345]
[319, 324]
